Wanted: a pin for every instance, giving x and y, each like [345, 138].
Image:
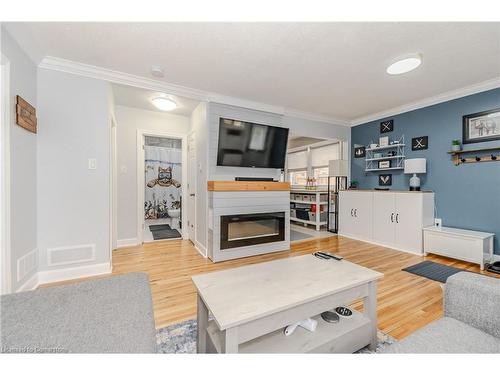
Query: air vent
[27, 264]
[71, 255]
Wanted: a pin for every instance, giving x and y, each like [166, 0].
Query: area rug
[152, 228]
[297, 236]
[433, 271]
[164, 234]
[181, 338]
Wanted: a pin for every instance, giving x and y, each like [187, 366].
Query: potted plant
[354, 185]
[455, 145]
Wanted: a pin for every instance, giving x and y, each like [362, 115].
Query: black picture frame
[385, 179]
[490, 123]
[387, 126]
[359, 152]
[420, 143]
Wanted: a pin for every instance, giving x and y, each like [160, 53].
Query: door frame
[141, 133]
[6, 270]
[193, 135]
[113, 198]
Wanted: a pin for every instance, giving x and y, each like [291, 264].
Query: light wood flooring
[406, 302]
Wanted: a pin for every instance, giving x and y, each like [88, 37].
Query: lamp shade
[415, 165]
[337, 167]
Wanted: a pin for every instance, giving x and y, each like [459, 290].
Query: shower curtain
[162, 181]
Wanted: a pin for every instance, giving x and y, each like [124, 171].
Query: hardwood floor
[406, 302]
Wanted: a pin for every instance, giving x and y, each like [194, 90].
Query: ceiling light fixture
[157, 71]
[164, 104]
[405, 65]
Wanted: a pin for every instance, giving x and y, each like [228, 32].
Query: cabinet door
[409, 222]
[363, 211]
[346, 209]
[384, 218]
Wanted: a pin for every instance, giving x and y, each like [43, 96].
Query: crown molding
[315, 117]
[96, 72]
[444, 97]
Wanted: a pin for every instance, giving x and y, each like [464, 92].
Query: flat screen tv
[245, 144]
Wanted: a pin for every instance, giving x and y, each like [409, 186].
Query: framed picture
[383, 141]
[385, 180]
[481, 126]
[387, 126]
[420, 143]
[359, 152]
[383, 164]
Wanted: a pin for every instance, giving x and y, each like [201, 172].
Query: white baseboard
[201, 249]
[126, 242]
[30, 284]
[52, 276]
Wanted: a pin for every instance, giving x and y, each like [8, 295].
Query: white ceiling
[139, 98]
[330, 69]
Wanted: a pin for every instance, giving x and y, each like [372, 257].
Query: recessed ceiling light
[405, 65]
[164, 104]
[157, 71]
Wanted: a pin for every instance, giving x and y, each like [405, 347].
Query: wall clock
[387, 126]
[420, 143]
[385, 180]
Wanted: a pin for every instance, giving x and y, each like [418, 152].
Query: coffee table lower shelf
[347, 336]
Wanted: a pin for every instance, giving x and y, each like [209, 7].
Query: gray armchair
[471, 322]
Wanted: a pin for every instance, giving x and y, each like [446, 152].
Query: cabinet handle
[355, 212]
[397, 217]
[392, 217]
[351, 212]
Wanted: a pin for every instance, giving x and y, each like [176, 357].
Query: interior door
[191, 220]
[409, 222]
[384, 216]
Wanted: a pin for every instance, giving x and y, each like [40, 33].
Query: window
[321, 176]
[298, 178]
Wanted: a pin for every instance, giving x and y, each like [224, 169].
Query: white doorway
[191, 185]
[160, 206]
[5, 277]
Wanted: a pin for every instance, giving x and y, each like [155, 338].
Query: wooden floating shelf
[458, 159]
[247, 186]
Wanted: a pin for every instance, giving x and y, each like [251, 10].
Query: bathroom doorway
[162, 187]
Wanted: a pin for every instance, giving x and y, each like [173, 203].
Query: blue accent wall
[468, 195]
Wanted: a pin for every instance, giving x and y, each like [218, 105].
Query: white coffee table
[252, 304]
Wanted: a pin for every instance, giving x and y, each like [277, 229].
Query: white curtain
[163, 178]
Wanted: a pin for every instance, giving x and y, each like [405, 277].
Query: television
[245, 144]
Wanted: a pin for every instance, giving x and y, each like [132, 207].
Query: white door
[363, 211]
[384, 217]
[409, 222]
[191, 223]
[346, 212]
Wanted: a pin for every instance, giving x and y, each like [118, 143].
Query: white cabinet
[393, 219]
[355, 214]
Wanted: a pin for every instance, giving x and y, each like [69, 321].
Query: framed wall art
[481, 126]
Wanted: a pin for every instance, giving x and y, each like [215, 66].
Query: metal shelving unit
[371, 162]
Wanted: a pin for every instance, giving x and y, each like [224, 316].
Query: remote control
[329, 255]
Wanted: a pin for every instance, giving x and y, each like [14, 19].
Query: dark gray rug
[181, 338]
[164, 234]
[296, 236]
[433, 271]
[153, 228]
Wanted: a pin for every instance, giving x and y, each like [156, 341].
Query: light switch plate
[92, 164]
[438, 222]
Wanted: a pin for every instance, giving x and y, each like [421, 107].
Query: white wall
[128, 121]
[73, 201]
[23, 174]
[317, 129]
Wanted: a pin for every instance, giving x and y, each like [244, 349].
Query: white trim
[192, 134]
[73, 273]
[444, 97]
[141, 133]
[62, 248]
[91, 71]
[30, 284]
[5, 256]
[126, 242]
[33, 253]
[113, 189]
[201, 249]
[315, 117]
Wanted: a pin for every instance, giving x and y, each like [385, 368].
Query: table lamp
[414, 166]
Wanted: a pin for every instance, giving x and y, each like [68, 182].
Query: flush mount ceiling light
[157, 71]
[405, 65]
[164, 104]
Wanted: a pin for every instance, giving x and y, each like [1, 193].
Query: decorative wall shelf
[397, 161]
[460, 158]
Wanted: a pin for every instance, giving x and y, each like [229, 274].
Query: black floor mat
[433, 271]
[156, 227]
[164, 234]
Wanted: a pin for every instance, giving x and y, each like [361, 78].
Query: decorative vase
[456, 147]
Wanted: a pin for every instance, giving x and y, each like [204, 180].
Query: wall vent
[70, 255]
[27, 264]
